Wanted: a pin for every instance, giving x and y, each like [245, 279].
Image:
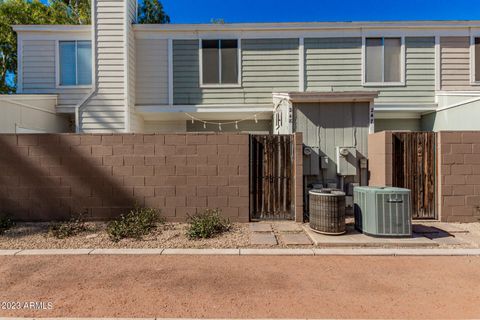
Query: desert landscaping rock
[171, 235]
[263, 238]
[260, 227]
[295, 239]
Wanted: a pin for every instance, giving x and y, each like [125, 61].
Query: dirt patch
[244, 287]
[170, 235]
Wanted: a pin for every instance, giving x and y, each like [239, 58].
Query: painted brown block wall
[458, 157]
[45, 177]
[380, 158]
[298, 176]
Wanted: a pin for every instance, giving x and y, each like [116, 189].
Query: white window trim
[57, 66]
[402, 63]
[473, 63]
[239, 65]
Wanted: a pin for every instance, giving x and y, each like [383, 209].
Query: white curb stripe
[276, 252]
[9, 252]
[40, 252]
[221, 252]
[126, 251]
[252, 252]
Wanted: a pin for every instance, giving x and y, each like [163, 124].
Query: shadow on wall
[51, 177]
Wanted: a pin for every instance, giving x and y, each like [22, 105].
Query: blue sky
[196, 11]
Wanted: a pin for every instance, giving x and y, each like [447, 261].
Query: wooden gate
[414, 168]
[271, 171]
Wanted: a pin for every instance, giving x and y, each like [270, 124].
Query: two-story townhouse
[119, 76]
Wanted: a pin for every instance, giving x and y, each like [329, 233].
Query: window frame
[57, 64]
[239, 64]
[473, 62]
[400, 83]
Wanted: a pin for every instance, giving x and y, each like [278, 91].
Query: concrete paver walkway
[252, 287]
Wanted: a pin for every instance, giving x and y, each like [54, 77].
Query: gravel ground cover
[170, 235]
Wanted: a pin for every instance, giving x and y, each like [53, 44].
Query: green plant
[5, 223]
[207, 224]
[135, 224]
[70, 228]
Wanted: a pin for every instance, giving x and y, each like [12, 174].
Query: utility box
[346, 161]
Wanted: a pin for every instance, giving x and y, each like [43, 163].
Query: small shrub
[70, 228]
[135, 224]
[207, 224]
[5, 223]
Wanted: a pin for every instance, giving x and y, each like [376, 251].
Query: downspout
[81, 104]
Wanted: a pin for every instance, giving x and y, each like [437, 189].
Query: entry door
[271, 172]
[414, 169]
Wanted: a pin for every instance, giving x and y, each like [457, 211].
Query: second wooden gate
[414, 168]
[271, 171]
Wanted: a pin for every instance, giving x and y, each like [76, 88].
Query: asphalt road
[241, 287]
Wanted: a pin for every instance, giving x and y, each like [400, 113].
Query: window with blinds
[75, 63]
[383, 62]
[220, 62]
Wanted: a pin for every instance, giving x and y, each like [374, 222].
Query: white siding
[39, 70]
[152, 72]
[106, 110]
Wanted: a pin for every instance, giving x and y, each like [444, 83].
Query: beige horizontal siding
[152, 72]
[455, 63]
[336, 63]
[39, 73]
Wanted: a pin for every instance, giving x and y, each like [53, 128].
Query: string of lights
[235, 122]
[220, 124]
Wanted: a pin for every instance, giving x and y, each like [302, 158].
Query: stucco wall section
[380, 158]
[459, 176]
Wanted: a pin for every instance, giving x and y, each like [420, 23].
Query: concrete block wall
[47, 177]
[458, 183]
[298, 174]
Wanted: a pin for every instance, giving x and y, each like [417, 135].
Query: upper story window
[476, 60]
[383, 61]
[220, 64]
[75, 63]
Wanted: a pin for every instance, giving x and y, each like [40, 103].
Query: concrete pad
[39, 252]
[449, 240]
[356, 239]
[263, 238]
[126, 251]
[212, 252]
[288, 227]
[469, 238]
[276, 252]
[448, 227]
[260, 227]
[9, 252]
[295, 239]
[423, 229]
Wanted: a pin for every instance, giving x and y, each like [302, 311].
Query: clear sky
[196, 11]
